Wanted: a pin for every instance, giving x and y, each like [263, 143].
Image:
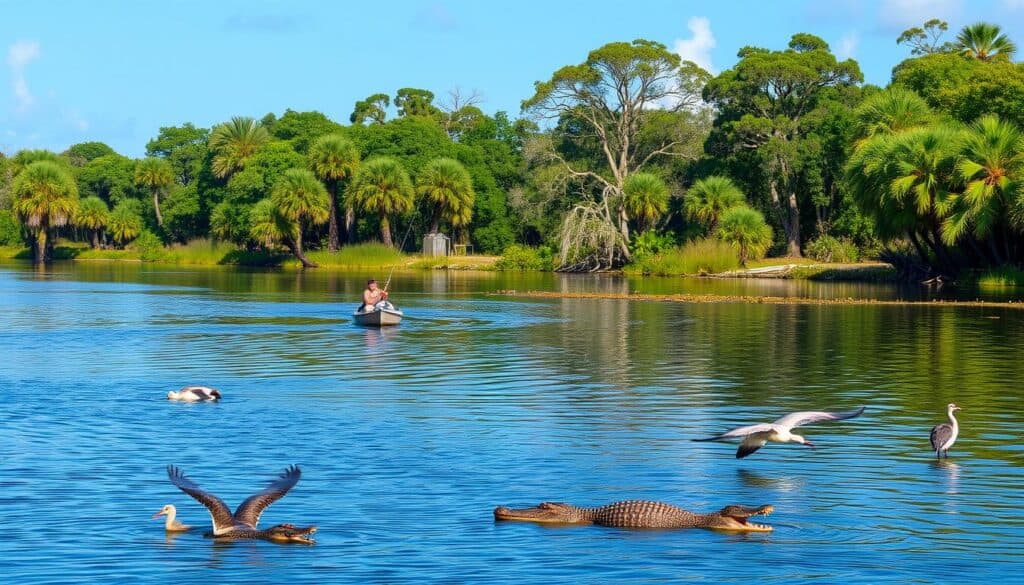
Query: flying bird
[756, 436]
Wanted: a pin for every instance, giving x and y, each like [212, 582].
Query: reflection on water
[408, 437]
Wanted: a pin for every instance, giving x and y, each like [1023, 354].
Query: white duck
[171, 524]
[194, 394]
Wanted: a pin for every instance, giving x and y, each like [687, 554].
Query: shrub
[704, 256]
[1003, 277]
[149, 246]
[519, 257]
[10, 230]
[651, 242]
[827, 248]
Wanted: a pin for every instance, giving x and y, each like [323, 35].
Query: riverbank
[756, 299]
[811, 270]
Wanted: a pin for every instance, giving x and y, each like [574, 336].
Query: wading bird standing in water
[944, 435]
[756, 436]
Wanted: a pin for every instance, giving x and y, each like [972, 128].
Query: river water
[409, 437]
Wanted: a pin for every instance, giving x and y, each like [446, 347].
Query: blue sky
[117, 71]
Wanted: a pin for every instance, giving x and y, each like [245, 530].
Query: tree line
[629, 152]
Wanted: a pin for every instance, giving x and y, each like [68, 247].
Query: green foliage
[365, 255]
[333, 157]
[746, 228]
[263, 169]
[83, 152]
[234, 143]
[519, 257]
[446, 187]
[926, 39]
[267, 226]
[300, 197]
[110, 177]
[827, 248]
[125, 221]
[302, 129]
[92, 213]
[1002, 277]
[965, 89]
[373, 109]
[703, 256]
[709, 198]
[651, 242]
[184, 147]
[646, 197]
[183, 215]
[412, 101]
[149, 246]
[230, 222]
[382, 187]
[985, 42]
[10, 229]
[780, 119]
[44, 195]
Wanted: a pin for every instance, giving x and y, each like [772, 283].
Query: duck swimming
[171, 524]
[242, 523]
[194, 394]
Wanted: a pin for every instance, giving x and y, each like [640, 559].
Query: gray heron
[944, 435]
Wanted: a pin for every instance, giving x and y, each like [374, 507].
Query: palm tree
[446, 185]
[646, 197]
[708, 198]
[985, 42]
[301, 199]
[991, 166]
[382, 186]
[267, 226]
[746, 228]
[154, 174]
[234, 142]
[124, 223]
[334, 158]
[44, 196]
[890, 112]
[92, 215]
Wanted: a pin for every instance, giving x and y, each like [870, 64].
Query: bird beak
[158, 514]
[809, 444]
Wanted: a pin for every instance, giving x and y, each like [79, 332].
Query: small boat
[383, 313]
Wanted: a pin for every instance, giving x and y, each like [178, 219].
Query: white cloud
[848, 45]
[19, 55]
[697, 48]
[896, 15]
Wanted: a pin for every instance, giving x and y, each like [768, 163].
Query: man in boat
[372, 295]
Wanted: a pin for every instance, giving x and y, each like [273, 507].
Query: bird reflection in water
[951, 473]
[755, 480]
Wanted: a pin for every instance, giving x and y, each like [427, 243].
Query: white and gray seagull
[944, 435]
[756, 436]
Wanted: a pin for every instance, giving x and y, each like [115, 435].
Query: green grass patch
[519, 257]
[1004, 277]
[369, 255]
[14, 252]
[705, 256]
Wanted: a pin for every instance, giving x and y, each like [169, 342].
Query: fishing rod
[400, 248]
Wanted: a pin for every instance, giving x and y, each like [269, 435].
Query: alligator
[639, 514]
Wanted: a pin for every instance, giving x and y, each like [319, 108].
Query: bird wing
[751, 444]
[219, 511]
[249, 511]
[940, 434]
[741, 432]
[797, 419]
